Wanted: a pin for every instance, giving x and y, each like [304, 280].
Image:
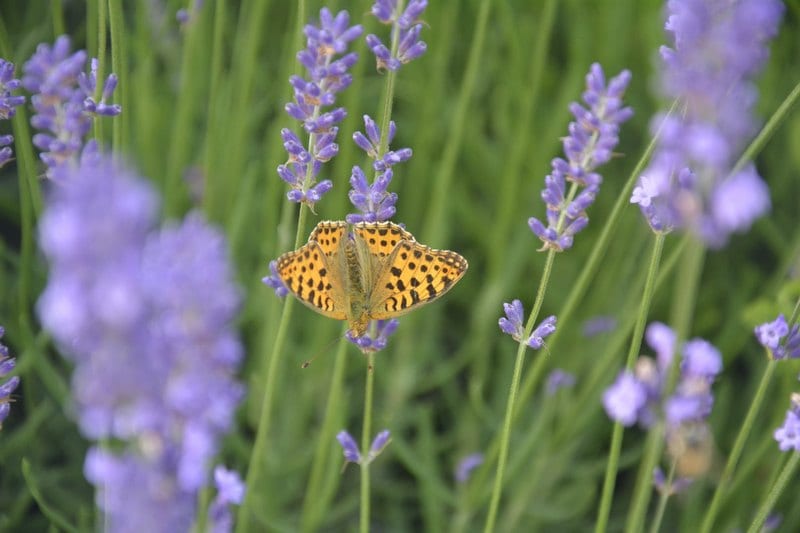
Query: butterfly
[376, 272]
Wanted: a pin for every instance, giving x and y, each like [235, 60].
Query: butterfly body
[377, 272]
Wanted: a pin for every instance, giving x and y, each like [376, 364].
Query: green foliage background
[484, 110]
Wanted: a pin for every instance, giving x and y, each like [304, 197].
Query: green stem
[738, 445]
[119, 64]
[682, 311]
[774, 492]
[636, 342]
[663, 499]
[265, 418]
[365, 442]
[505, 439]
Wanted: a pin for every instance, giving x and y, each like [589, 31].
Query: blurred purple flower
[146, 316]
[406, 27]
[466, 465]
[374, 201]
[719, 46]
[639, 396]
[591, 141]
[327, 76]
[351, 451]
[7, 364]
[8, 104]
[559, 379]
[780, 341]
[599, 324]
[624, 399]
[64, 104]
[512, 324]
[230, 490]
[788, 435]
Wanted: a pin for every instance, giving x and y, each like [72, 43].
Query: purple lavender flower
[591, 141]
[559, 379]
[466, 465]
[230, 490]
[377, 337]
[624, 399]
[351, 451]
[154, 355]
[718, 48]
[405, 31]
[639, 396]
[8, 104]
[788, 435]
[599, 324]
[374, 201]
[512, 324]
[63, 99]
[6, 365]
[327, 76]
[274, 281]
[349, 447]
[780, 341]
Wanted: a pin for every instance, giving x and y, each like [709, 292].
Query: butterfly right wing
[313, 272]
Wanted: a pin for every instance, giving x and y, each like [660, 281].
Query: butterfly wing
[407, 274]
[313, 272]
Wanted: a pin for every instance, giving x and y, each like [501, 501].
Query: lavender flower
[780, 341]
[719, 46]
[639, 396]
[63, 99]
[230, 490]
[466, 465]
[406, 28]
[377, 336]
[6, 365]
[512, 324]
[599, 324]
[591, 141]
[327, 75]
[154, 355]
[8, 104]
[788, 435]
[374, 201]
[352, 453]
[274, 281]
[559, 379]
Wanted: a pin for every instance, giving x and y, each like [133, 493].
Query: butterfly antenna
[308, 362]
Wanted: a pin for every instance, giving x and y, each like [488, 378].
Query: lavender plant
[64, 101]
[7, 365]
[8, 104]
[693, 181]
[154, 358]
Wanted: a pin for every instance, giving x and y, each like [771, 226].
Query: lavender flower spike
[327, 76]
[512, 324]
[780, 341]
[230, 491]
[63, 99]
[406, 28]
[6, 365]
[690, 182]
[591, 141]
[8, 104]
[788, 435]
[352, 453]
[146, 316]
